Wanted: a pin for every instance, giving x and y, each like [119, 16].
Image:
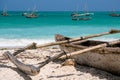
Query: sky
[60, 5]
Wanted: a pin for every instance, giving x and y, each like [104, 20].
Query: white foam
[5, 43]
[13, 43]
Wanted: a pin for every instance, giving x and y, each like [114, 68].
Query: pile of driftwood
[73, 48]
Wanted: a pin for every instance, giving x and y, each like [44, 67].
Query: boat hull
[115, 15]
[107, 58]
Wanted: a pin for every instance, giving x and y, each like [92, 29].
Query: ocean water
[16, 30]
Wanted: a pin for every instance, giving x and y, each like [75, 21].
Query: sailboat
[32, 14]
[75, 13]
[4, 13]
[114, 14]
[86, 13]
[83, 16]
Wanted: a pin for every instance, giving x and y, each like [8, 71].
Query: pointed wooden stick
[76, 39]
[31, 46]
[28, 69]
[90, 48]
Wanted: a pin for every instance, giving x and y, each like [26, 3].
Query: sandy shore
[52, 71]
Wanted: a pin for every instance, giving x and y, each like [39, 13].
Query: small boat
[86, 12]
[114, 15]
[4, 13]
[32, 15]
[107, 58]
[75, 14]
[81, 18]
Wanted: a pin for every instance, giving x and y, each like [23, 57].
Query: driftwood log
[31, 46]
[31, 70]
[28, 69]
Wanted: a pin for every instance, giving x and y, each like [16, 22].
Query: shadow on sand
[97, 72]
[17, 70]
[93, 71]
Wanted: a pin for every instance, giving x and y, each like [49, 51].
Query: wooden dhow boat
[106, 58]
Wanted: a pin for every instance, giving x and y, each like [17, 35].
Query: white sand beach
[51, 71]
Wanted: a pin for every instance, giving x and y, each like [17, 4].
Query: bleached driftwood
[28, 69]
[31, 46]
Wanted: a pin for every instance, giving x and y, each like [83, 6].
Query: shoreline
[21, 44]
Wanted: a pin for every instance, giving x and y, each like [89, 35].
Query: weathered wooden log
[31, 46]
[76, 39]
[28, 69]
[91, 48]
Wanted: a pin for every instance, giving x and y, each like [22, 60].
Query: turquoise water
[16, 30]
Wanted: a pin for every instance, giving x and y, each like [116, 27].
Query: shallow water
[16, 30]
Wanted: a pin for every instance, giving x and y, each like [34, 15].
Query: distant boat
[114, 14]
[75, 13]
[82, 16]
[85, 13]
[33, 14]
[4, 13]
